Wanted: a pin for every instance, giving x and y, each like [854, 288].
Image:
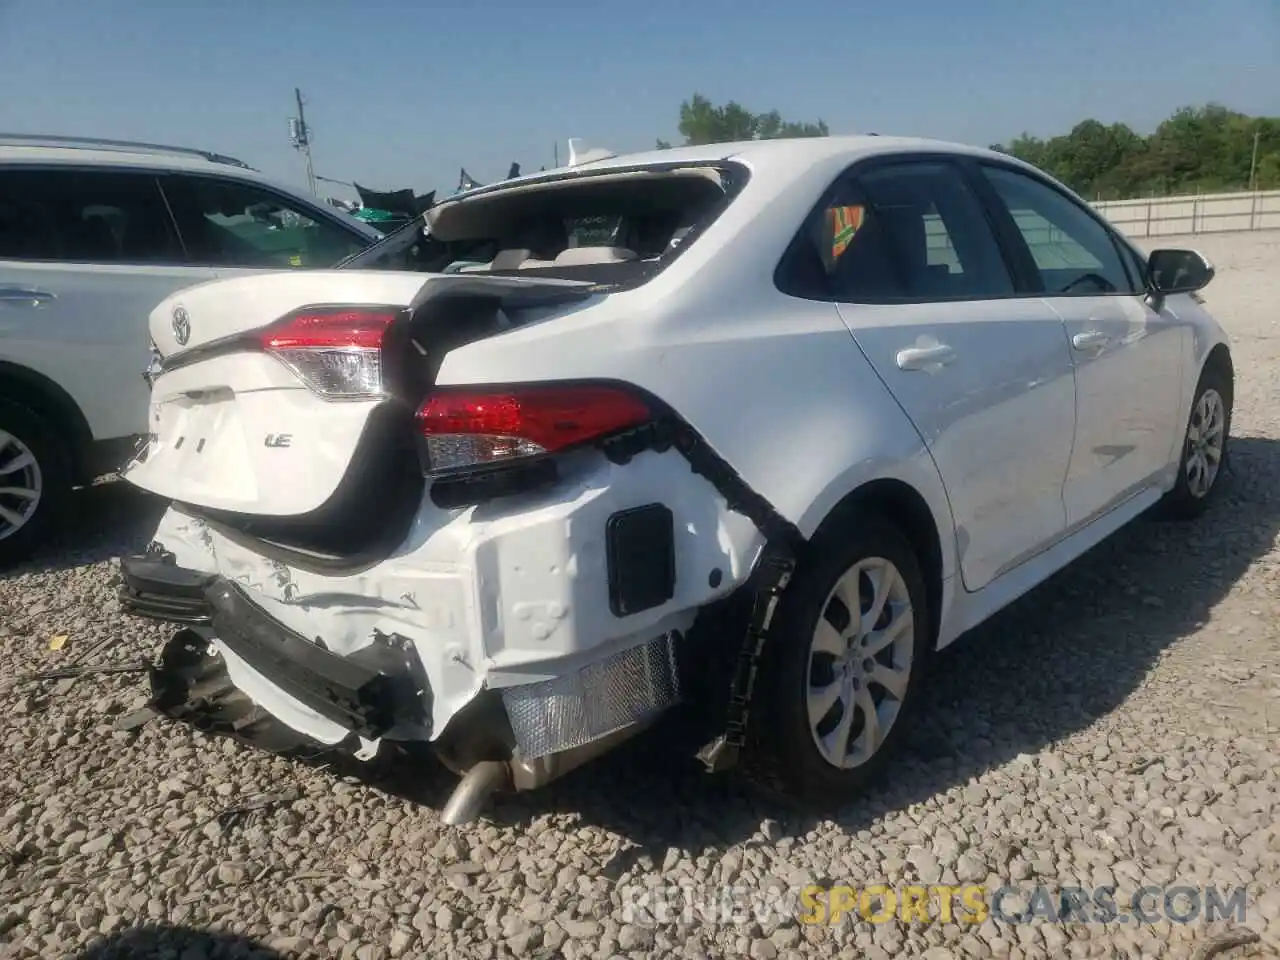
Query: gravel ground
[1119, 725]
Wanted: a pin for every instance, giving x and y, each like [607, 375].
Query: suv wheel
[842, 666]
[34, 480]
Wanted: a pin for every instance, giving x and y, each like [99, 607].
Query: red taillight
[472, 428]
[336, 351]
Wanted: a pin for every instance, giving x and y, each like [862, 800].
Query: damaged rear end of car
[360, 550]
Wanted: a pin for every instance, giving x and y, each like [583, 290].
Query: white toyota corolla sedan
[748, 429]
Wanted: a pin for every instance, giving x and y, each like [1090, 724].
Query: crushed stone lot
[1118, 726]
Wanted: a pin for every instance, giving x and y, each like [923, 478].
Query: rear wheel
[34, 481]
[1204, 449]
[842, 666]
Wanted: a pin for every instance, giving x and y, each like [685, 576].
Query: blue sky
[403, 93]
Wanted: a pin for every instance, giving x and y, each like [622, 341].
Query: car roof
[800, 149]
[790, 152]
[160, 158]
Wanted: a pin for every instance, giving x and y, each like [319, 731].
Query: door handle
[25, 296]
[921, 358]
[1090, 340]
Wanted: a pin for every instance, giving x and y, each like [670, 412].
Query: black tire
[52, 459]
[782, 754]
[1183, 502]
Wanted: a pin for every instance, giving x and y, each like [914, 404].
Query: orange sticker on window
[843, 223]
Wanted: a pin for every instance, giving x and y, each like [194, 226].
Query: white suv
[753, 427]
[93, 234]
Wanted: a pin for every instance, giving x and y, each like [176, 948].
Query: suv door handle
[1090, 340]
[25, 296]
[920, 358]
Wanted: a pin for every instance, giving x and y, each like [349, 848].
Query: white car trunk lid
[272, 389]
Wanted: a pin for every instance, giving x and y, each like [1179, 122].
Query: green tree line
[1198, 149]
[701, 121]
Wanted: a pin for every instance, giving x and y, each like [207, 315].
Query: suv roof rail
[129, 146]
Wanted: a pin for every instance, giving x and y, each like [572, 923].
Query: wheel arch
[42, 396]
[909, 511]
[1219, 360]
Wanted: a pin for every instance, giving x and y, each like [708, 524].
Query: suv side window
[910, 231]
[1074, 253]
[85, 216]
[233, 224]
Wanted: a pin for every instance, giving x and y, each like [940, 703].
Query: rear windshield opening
[616, 228]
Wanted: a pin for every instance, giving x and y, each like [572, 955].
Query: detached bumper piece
[192, 686]
[361, 697]
[156, 588]
[371, 692]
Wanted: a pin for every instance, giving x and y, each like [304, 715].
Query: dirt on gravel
[1118, 727]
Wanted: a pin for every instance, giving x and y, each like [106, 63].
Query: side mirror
[1177, 271]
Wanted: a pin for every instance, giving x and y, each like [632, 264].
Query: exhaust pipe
[473, 791]
[489, 776]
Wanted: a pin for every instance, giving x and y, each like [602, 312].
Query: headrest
[578, 256]
[511, 258]
[544, 237]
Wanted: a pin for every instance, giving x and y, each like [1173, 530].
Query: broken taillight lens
[468, 429]
[336, 351]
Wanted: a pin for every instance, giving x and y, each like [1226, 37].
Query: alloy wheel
[860, 661]
[1206, 439]
[21, 485]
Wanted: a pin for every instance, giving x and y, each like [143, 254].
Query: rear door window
[85, 216]
[234, 224]
[910, 231]
[26, 217]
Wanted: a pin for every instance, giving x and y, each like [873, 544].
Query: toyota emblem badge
[181, 326]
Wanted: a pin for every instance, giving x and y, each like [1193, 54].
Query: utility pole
[556, 147]
[1253, 165]
[300, 138]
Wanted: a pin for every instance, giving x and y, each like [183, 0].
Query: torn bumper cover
[369, 694]
[191, 685]
[369, 699]
[152, 586]
[378, 691]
